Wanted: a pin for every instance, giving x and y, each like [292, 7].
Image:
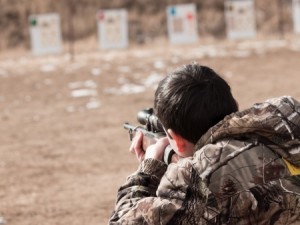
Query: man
[233, 168]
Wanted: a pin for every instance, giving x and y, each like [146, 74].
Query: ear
[180, 141]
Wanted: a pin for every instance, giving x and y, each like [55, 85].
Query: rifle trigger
[130, 134]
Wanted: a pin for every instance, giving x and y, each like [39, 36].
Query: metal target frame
[240, 19]
[45, 33]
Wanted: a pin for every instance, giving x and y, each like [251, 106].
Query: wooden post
[71, 30]
[280, 4]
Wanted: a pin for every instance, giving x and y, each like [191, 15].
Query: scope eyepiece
[146, 117]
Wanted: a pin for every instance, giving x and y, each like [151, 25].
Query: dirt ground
[64, 151]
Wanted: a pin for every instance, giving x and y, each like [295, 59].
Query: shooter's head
[192, 99]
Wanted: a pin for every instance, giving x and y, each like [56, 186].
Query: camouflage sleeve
[140, 185]
[151, 195]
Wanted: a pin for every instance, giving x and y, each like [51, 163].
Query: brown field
[64, 151]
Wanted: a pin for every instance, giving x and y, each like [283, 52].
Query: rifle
[152, 130]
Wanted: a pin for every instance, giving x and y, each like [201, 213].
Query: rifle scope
[147, 118]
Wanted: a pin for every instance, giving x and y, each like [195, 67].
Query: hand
[136, 146]
[156, 151]
[175, 158]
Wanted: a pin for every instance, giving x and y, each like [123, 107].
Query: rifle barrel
[147, 133]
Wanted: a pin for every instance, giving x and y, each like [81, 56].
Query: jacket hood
[275, 123]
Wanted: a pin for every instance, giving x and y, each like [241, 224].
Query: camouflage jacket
[244, 171]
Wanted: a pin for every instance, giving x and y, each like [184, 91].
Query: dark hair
[192, 99]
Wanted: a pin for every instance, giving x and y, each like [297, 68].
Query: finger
[138, 147]
[139, 141]
[163, 142]
[140, 155]
[135, 142]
